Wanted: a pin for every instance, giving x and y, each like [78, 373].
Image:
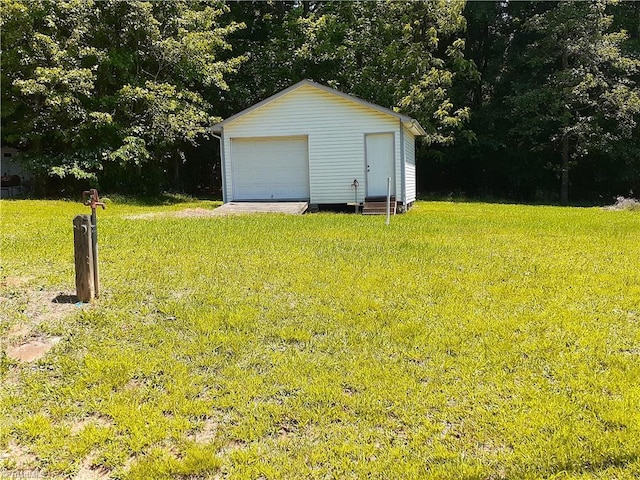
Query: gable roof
[412, 125]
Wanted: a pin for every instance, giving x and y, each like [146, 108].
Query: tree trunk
[176, 172]
[564, 175]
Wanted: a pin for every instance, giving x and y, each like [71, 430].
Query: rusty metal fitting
[90, 199]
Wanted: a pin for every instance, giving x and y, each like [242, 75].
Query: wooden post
[85, 286]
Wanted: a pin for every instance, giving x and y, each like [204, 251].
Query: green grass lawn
[462, 341]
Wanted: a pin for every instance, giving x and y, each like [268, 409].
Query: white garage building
[310, 142]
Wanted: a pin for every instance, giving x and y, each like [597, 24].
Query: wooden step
[378, 208]
[379, 198]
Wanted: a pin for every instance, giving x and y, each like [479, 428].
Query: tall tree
[400, 55]
[580, 95]
[89, 85]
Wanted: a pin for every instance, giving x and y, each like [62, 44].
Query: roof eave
[414, 127]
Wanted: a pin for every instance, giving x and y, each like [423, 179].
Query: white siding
[336, 129]
[410, 165]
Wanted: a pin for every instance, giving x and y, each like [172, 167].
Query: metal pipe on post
[388, 200]
[355, 185]
[92, 200]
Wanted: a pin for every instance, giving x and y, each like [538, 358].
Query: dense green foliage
[88, 85]
[557, 103]
[402, 54]
[462, 341]
[528, 100]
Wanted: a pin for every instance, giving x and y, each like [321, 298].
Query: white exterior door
[270, 168]
[380, 163]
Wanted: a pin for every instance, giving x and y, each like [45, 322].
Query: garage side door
[270, 168]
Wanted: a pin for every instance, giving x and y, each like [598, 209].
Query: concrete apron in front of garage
[291, 208]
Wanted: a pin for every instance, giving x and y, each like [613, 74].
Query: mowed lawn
[462, 341]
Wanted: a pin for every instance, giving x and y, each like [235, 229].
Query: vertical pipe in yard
[94, 245]
[91, 199]
[403, 169]
[388, 200]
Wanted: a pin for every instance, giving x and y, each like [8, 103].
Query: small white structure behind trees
[14, 176]
[310, 142]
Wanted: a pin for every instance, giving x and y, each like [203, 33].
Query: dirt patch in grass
[144, 216]
[232, 446]
[208, 431]
[39, 307]
[19, 460]
[186, 213]
[13, 282]
[86, 473]
[92, 420]
[33, 350]
[30, 309]
[196, 212]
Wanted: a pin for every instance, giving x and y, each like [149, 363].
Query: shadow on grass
[162, 199]
[62, 298]
[513, 201]
[166, 198]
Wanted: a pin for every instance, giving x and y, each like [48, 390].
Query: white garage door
[273, 168]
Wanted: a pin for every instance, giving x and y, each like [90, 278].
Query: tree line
[530, 101]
